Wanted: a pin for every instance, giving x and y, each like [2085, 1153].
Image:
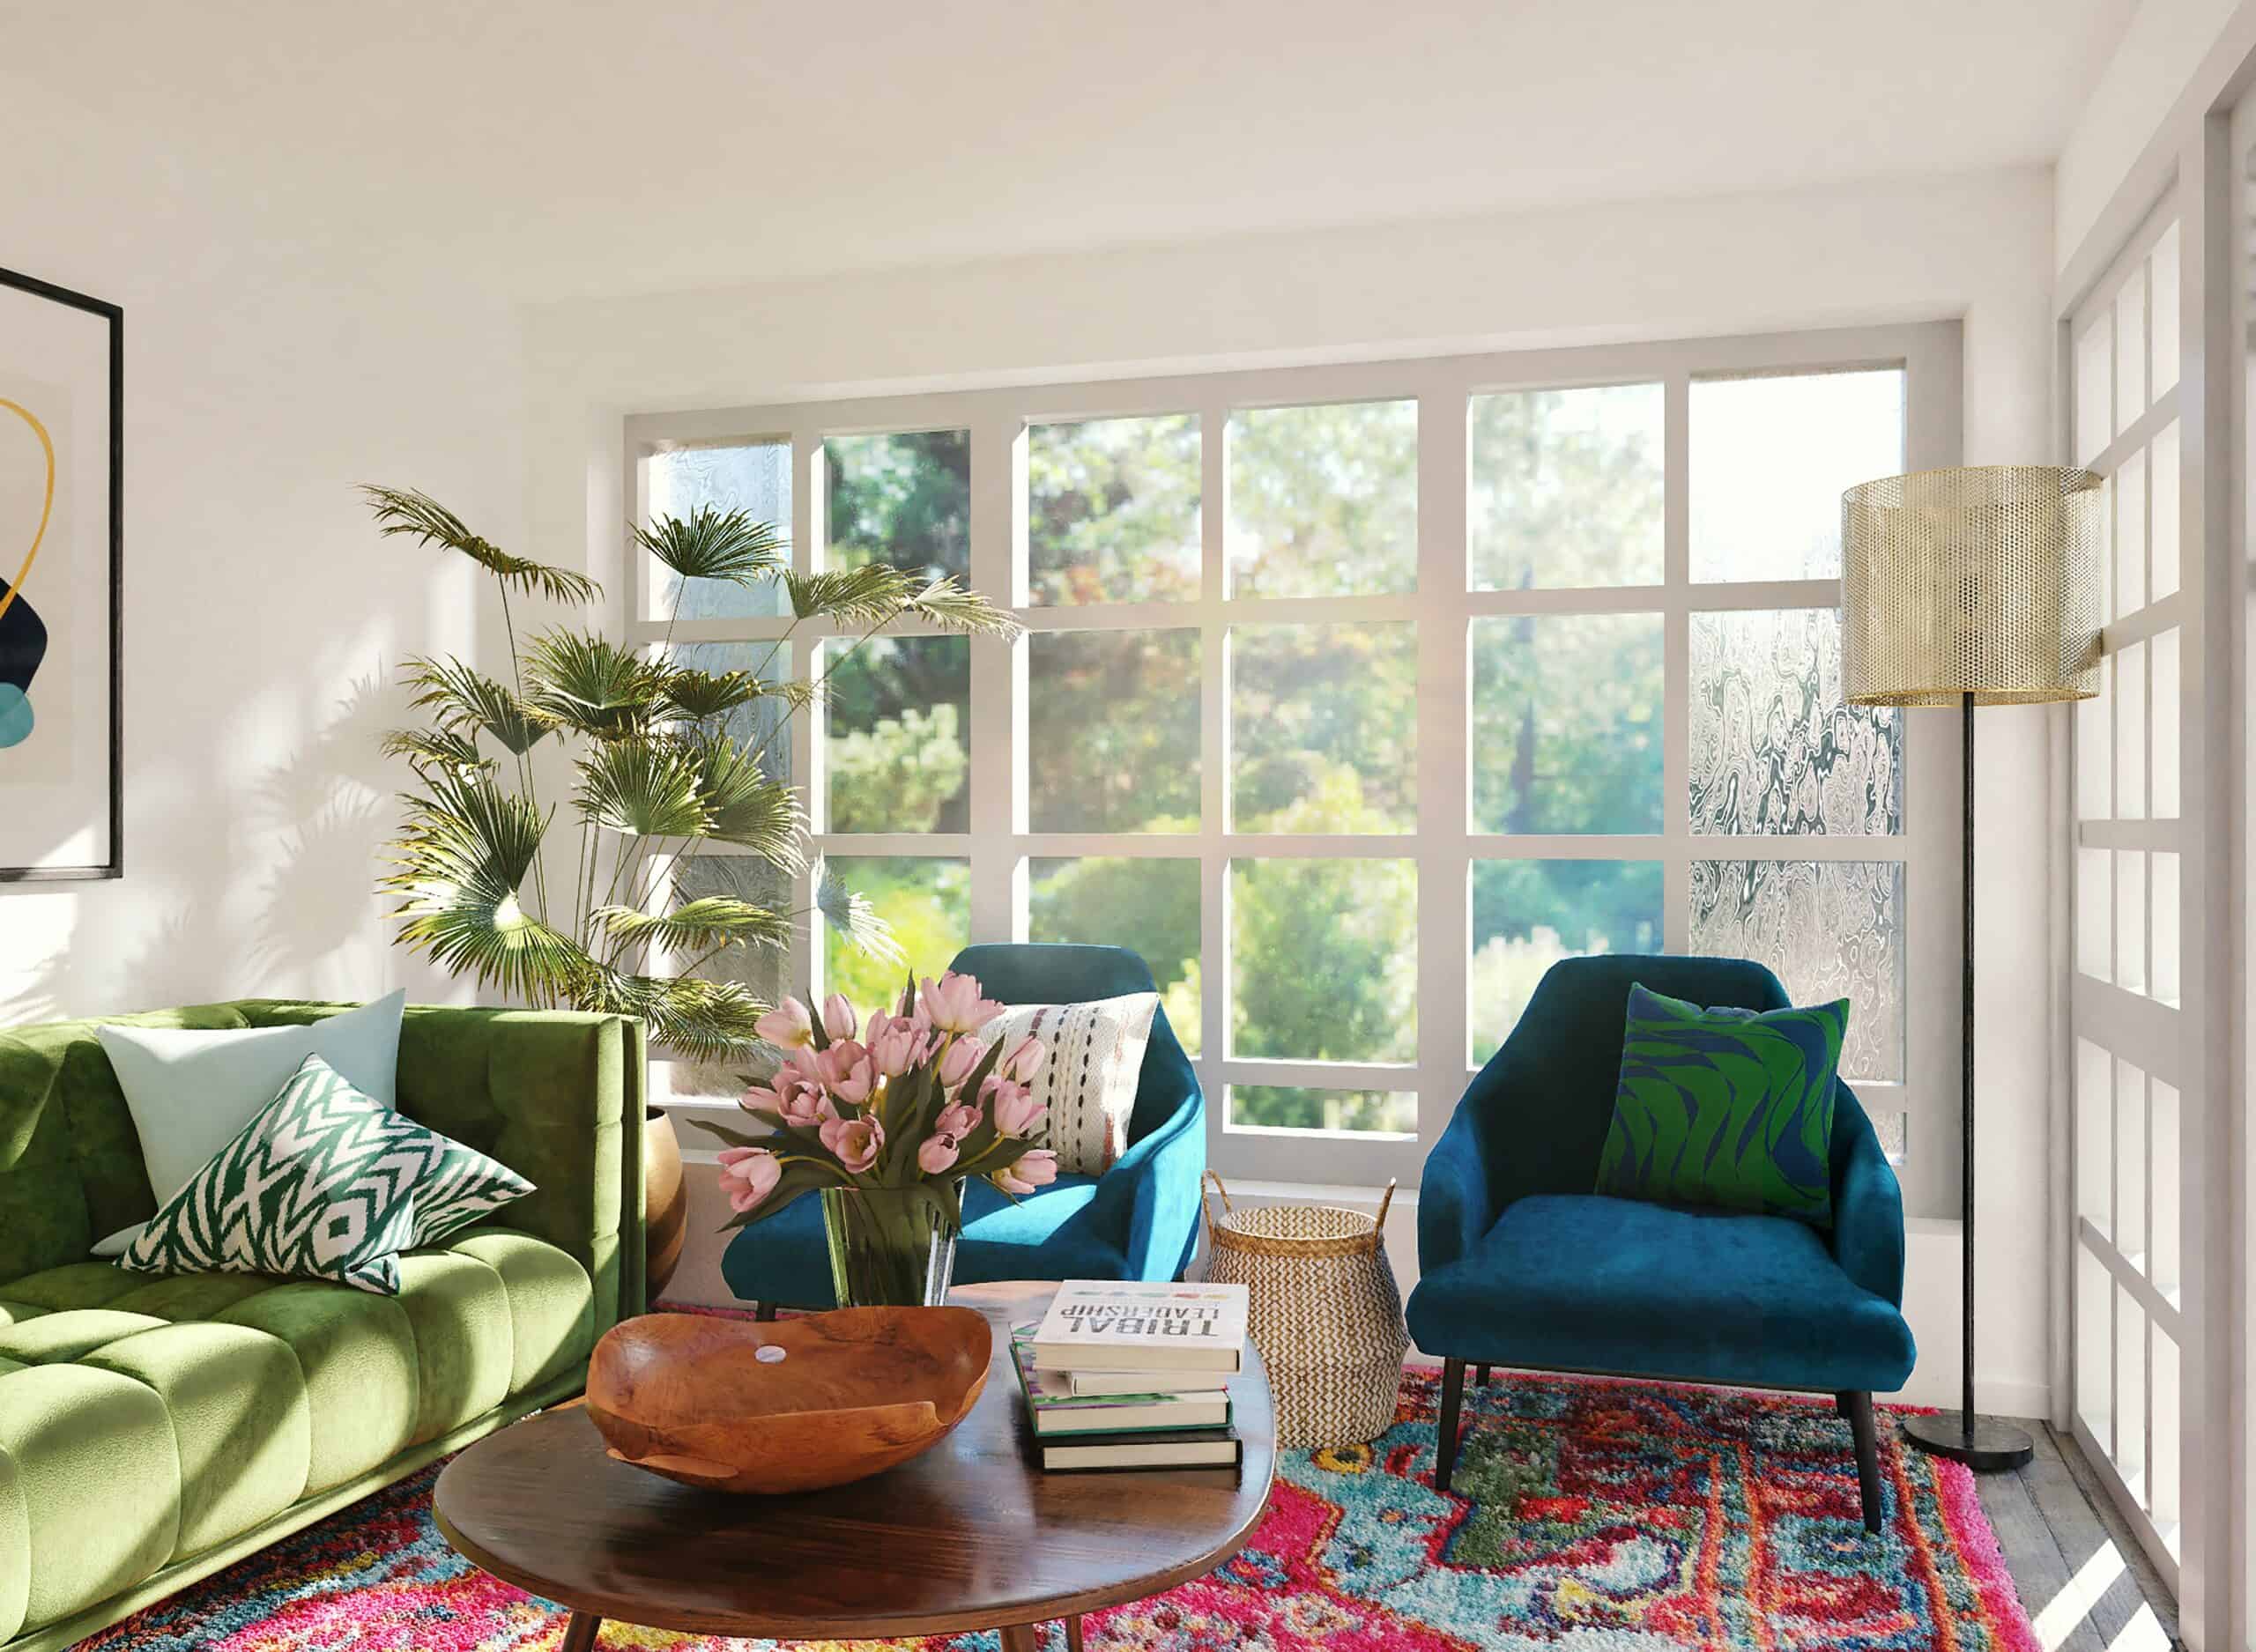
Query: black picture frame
[115, 316]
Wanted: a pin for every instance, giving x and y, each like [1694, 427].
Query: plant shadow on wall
[670, 765]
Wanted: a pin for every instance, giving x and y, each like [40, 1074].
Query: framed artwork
[62, 566]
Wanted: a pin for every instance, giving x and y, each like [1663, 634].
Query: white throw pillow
[1088, 1081]
[190, 1091]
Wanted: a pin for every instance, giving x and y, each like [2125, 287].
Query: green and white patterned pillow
[323, 1183]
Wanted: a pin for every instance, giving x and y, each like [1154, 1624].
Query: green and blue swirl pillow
[1726, 1108]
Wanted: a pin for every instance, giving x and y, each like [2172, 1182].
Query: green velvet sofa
[153, 1430]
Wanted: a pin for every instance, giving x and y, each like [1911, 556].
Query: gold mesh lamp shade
[1966, 587]
[1982, 581]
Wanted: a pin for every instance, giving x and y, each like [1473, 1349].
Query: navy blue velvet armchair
[1139, 1220]
[1521, 1264]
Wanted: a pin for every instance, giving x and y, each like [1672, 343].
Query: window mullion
[1676, 663]
[998, 684]
[1442, 846]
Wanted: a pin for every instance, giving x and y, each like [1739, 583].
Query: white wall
[1976, 247]
[265, 377]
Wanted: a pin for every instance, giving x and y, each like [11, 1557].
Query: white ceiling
[586, 145]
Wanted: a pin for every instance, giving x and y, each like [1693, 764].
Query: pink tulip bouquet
[907, 1103]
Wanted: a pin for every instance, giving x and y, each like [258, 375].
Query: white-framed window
[1354, 695]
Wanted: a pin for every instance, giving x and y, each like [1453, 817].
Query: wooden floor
[2081, 1573]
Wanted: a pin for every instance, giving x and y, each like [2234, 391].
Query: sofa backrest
[69, 1163]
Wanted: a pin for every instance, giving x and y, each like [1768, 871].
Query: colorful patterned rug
[1589, 1517]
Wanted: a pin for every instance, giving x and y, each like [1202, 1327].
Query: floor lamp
[1966, 587]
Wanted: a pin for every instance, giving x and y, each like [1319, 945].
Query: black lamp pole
[1979, 1442]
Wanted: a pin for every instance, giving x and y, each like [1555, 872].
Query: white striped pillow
[1088, 1081]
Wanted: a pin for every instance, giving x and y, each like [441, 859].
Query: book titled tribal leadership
[1107, 1325]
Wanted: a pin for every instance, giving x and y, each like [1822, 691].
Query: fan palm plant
[655, 773]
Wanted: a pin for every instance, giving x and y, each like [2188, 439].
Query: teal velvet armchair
[1139, 1220]
[1521, 1264]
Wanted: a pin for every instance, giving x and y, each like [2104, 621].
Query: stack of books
[1134, 1377]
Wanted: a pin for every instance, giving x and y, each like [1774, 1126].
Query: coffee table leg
[1023, 1637]
[1073, 1633]
[579, 1634]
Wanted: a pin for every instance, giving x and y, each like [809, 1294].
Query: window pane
[2162, 1481]
[2130, 501]
[903, 499]
[1323, 727]
[1828, 929]
[1324, 501]
[2130, 1161]
[1529, 914]
[2094, 914]
[2095, 754]
[1566, 488]
[2131, 733]
[765, 970]
[2164, 484]
[1148, 906]
[897, 753]
[2130, 1389]
[2094, 1135]
[1112, 510]
[2130, 920]
[1566, 723]
[1769, 460]
[1774, 746]
[2165, 311]
[2165, 897]
[2163, 692]
[928, 904]
[1112, 730]
[762, 725]
[2095, 376]
[2131, 349]
[754, 478]
[2165, 1264]
[2095, 1344]
[1325, 1112]
[1324, 962]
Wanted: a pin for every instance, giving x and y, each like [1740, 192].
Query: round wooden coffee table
[969, 1536]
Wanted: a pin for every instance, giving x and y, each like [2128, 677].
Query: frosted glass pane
[2163, 1254]
[2131, 349]
[1566, 488]
[767, 970]
[2094, 757]
[2130, 920]
[1112, 510]
[927, 902]
[1774, 748]
[2094, 1325]
[1112, 730]
[1828, 929]
[2130, 500]
[1147, 904]
[1323, 727]
[2130, 1229]
[2130, 733]
[2163, 691]
[2162, 1476]
[759, 725]
[2094, 914]
[904, 500]
[2095, 371]
[754, 478]
[2094, 1135]
[897, 745]
[2163, 899]
[1324, 959]
[1322, 501]
[2130, 1453]
[1367, 1113]
[1770, 459]
[2162, 482]
[1567, 723]
[1529, 914]
[2164, 265]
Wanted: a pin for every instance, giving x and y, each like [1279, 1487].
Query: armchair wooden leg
[763, 1310]
[1856, 1407]
[1445, 1442]
[1480, 1376]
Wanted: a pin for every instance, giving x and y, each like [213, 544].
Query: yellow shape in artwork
[47, 504]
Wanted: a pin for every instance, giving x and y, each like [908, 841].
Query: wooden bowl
[853, 1393]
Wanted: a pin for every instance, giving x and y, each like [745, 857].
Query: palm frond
[707, 922]
[699, 695]
[711, 544]
[446, 748]
[466, 848]
[404, 510]
[746, 807]
[866, 595]
[463, 697]
[850, 912]
[583, 682]
[650, 787]
[945, 602]
[706, 1020]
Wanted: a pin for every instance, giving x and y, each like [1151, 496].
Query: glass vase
[889, 1246]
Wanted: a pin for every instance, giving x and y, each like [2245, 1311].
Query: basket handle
[1384, 1199]
[1206, 1211]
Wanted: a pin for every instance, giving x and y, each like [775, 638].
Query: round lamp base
[1983, 1446]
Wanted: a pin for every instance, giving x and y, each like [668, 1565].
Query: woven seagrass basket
[1326, 1315]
